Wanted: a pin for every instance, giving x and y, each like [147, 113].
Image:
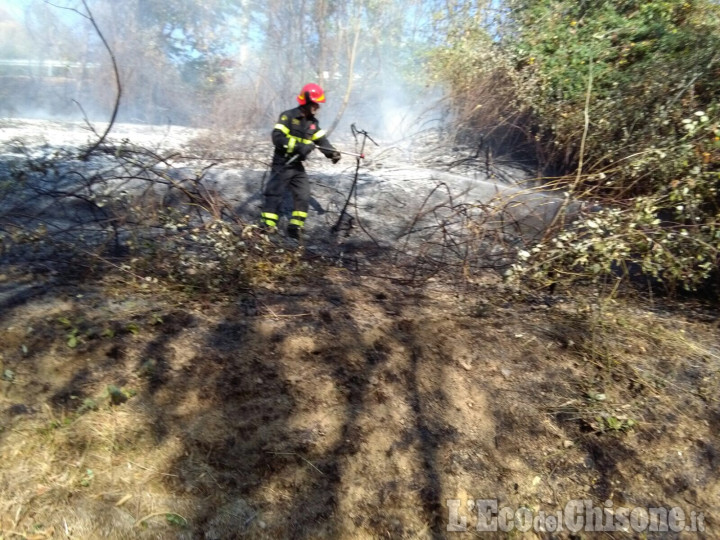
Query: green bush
[622, 98]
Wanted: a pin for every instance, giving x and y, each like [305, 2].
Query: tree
[187, 61]
[622, 97]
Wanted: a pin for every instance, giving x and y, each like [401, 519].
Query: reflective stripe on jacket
[293, 128]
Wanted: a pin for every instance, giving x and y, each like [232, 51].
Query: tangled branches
[156, 217]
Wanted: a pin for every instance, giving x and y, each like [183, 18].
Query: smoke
[209, 63]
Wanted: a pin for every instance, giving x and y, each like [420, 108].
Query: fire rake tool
[361, 156]
[297, 156]
[335, 228]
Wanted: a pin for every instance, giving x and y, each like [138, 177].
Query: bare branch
[89, 16]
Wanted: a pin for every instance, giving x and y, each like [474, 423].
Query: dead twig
[298, 455]
[156, 514]
[89, 16]
[153, 471]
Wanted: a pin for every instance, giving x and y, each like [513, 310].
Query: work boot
[293, 231]
[268, 229]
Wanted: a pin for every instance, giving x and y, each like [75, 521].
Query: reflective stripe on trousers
[270, 219]
[298, 218]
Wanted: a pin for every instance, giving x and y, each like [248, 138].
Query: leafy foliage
[623, 97]
[217, 258]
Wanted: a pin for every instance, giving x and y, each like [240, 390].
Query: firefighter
[295, 136]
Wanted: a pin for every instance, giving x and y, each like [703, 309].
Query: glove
[335, 157]
[304, 150]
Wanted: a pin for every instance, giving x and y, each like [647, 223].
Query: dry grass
[86, 474]
[641, 357]
[346, 407]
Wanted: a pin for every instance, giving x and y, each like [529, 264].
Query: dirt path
[345, 407]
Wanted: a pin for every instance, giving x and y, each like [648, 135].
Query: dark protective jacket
[293, 131]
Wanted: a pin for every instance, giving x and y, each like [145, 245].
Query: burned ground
[342, 406]
[345, 390]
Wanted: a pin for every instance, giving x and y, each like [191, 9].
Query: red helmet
[315, 91]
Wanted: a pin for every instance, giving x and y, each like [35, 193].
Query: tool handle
[361, 156]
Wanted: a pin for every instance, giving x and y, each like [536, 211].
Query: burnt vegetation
[170, 370]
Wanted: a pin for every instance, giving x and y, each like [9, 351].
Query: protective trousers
[283, 178]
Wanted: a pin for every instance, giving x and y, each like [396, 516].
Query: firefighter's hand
[304, 150]
[335, 157]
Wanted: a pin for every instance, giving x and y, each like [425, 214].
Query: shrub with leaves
[216, 257]
[624, 105]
